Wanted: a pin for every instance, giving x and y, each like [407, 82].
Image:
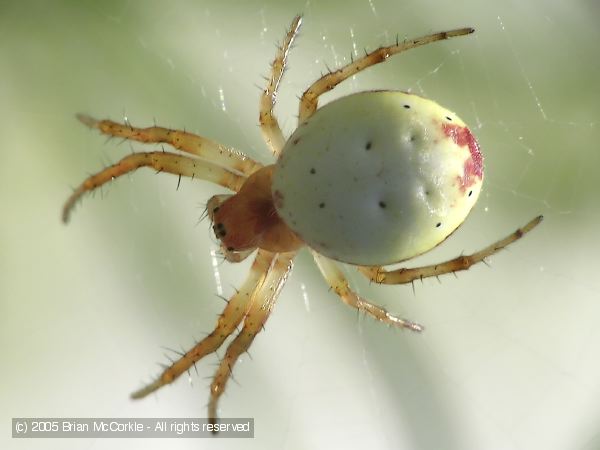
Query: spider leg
[181, 140]
[162, 162]
[237, 307]
[464, 262]
[253, 322]
[338, 282]
[310, 98]
[268, 122]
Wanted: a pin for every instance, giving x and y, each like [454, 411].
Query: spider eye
[219, 230]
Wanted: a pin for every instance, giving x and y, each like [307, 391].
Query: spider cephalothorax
[370, 179]
[248, 220]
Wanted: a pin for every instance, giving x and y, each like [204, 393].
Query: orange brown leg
[268, 122]
[310, 98]
[403, 275]
[339, 284]
[181, 140]
[235, 311]
[161, 162]
[254, 321]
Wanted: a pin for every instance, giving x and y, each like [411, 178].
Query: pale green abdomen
[378, 177]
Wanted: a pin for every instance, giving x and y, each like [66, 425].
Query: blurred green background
[511, 355]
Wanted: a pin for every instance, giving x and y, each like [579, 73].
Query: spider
[371, 179]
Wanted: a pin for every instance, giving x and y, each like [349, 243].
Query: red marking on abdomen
[462, 137]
